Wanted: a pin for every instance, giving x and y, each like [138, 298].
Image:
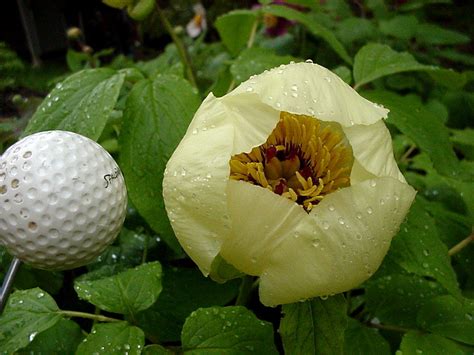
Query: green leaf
[417, 123]
[374, 61]
[156, 116]
[418, 4]
[222, 271]
[156, 349]
[396, 298]
[126, 252]
[227, 330]
[464, 141]
[431, 34]
[129, 292]
[449, 317]
[314, 327]
[418, 249]
[235, 28]
[354, 29]
[26, 314]
[414, 343]
[166, 63]
[362, 340]
[254, 61]
[450, 78]
[402, 27]
[113, 338]
[82, 103]
[76, 60]
[28, 277]
[459, 201]
[312, 25]
[163, 321]
[344, 73]
[62, 338]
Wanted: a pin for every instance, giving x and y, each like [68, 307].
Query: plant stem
[404, 158]
[245, 290]
[461, 245]
[183, 53]
[393, 328]
[253, 32]
[95, 317]
[145, 249]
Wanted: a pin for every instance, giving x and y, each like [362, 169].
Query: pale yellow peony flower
[290, 177]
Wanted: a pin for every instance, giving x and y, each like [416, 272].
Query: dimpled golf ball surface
[62, 200]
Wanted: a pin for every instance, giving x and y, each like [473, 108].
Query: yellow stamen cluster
[303, 159]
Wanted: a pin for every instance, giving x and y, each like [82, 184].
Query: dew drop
[331, 208]
[195, 131]
[359, 215]
[327, 78]
[341, 221]
[294, 87]
[325, 225]
[294, 94]
[370, 210]
[426, 252]
[309, 61]
[316, 242]
[249, 89]
[373, 183]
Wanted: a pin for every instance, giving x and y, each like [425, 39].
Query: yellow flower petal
[339, 245]
[195, 182]
[372, 148]
[261, 220]
[310, 89]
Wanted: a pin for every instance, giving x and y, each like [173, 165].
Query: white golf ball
[62, 200]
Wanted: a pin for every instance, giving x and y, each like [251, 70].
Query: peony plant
[290, 177]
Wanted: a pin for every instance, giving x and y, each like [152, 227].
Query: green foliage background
[144, 296]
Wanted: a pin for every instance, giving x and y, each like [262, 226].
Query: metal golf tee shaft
[8, 282]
